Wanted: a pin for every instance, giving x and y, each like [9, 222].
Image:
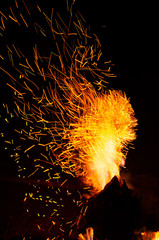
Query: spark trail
[74, 124]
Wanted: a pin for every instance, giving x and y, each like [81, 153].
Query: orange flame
[88, 236]
[98, 138]
[156, 237]
[150, 235]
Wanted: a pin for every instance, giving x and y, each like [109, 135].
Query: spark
[26, 7]
[74, 126]
[29, 148]
[24, 20]
[14, 17]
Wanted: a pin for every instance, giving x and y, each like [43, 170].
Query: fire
[88, 236]
[98, 138]
[150, 235]
[89, 127]
[156, 237]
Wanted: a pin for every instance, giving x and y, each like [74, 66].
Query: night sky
[130, 39]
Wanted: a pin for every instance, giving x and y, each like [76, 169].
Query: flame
[150, 235]
[156, 237]
[97, 139]
[88, 236]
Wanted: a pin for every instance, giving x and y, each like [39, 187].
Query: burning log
[114, 213]
[119, 212]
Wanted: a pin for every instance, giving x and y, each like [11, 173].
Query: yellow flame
[150, 235]
[156, 237]
[98, 138]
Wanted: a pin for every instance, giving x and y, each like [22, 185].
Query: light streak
[75, 125]
[29, 148]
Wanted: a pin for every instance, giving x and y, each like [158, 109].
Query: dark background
[129, 35]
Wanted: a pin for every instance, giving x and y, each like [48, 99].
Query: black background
[129, 35]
